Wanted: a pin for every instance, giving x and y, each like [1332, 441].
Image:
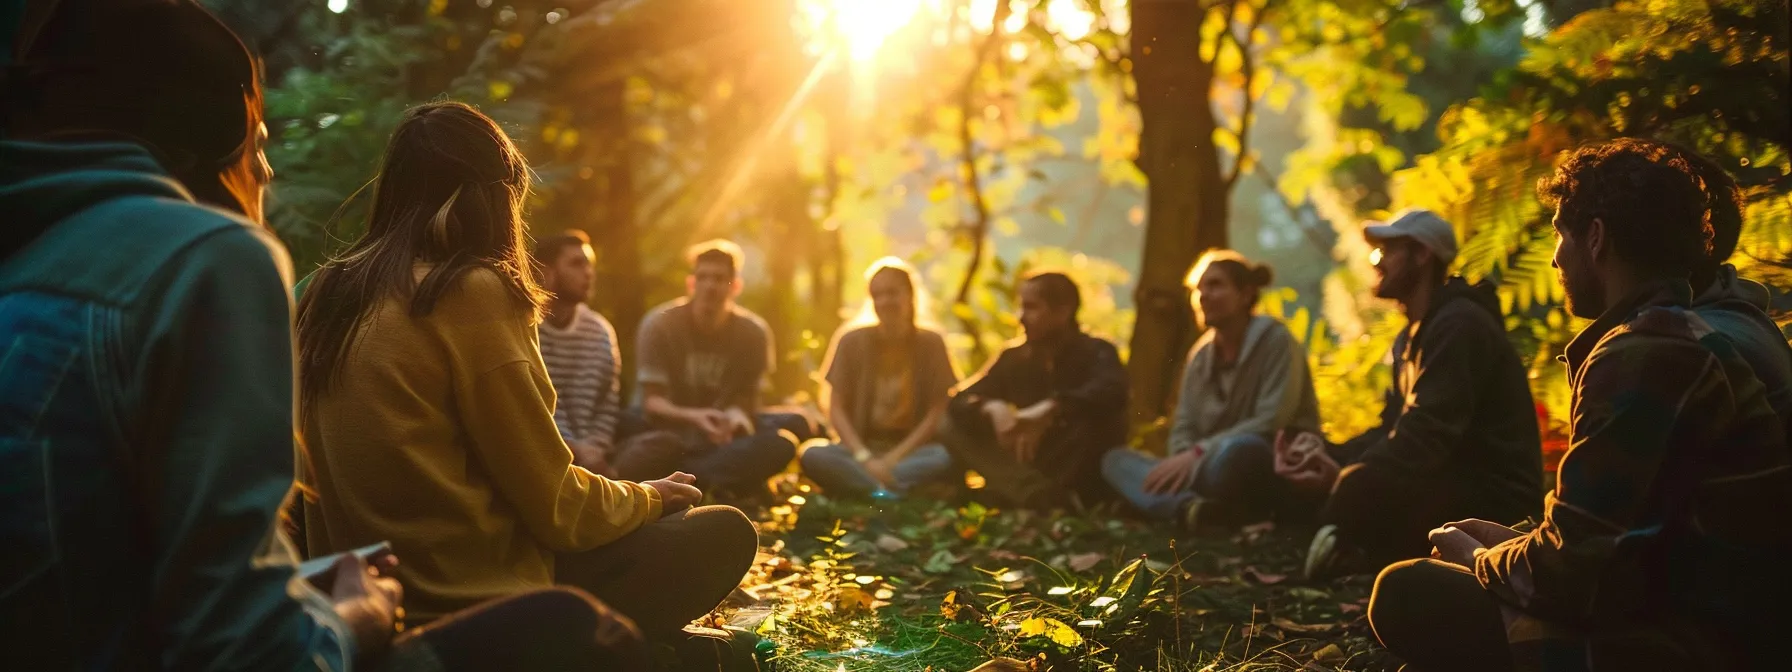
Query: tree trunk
[1187, 200]
[621, 294]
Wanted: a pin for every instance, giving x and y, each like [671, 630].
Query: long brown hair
[449, 193]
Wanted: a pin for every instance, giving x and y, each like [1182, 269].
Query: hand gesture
[1174, 473]
[880, 468]
[1002, 418]
[368, 600]
[1455, 546]
[1489, 533]
[1302, 461]
[677, 492]
[714, 424]
[739, 423]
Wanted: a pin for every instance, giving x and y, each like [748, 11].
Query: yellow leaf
[501, 89]
[1053, 629]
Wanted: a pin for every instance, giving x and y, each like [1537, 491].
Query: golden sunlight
[864, 24]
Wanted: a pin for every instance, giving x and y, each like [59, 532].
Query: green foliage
[1709, 75]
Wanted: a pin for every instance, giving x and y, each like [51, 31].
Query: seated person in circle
[1246, 380]
[888, 380]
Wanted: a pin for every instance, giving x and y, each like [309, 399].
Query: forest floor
[932, 585]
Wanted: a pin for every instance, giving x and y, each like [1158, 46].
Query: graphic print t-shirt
[715, 368]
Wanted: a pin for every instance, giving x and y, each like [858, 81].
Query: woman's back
[411, 444]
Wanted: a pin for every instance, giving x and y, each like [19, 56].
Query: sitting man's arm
[1436, 413]
[991, 385]
[1102, 394]
[1632, 394]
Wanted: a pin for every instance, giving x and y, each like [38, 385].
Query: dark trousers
[1237, 484]
[1438, 617]
[1068, 462]
[548, 629]
[670, 571]
[739, 466]
[1387, 516]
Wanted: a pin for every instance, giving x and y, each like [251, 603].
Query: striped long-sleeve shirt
[582, 361]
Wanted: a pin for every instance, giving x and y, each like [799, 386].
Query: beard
[1395, 284]
[1585, 298]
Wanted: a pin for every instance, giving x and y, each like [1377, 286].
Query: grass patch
[929, 585]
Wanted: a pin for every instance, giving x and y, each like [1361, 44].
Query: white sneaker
[1319, 553]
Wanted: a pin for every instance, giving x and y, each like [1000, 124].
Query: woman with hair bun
[1246, 380]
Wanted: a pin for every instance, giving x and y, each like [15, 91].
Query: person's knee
[731, 537]
[1399, 592]
[817, 457]
[1113, 464]
[776, 447]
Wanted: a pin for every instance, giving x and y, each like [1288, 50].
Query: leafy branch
[968, 162]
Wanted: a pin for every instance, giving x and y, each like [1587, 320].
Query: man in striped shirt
[579, 348]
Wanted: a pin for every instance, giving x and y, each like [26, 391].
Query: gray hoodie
[1268, 389]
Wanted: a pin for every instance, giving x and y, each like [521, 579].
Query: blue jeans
[841, 475]
[1240, 471]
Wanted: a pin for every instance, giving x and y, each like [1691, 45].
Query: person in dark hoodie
[1458, 436]
[1662, 543]
[1735, 306]
[146, 378]
[1037, 420]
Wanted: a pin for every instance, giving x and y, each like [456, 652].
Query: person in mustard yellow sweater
[429, 417]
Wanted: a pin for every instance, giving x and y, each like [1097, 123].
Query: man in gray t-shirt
[702, 359]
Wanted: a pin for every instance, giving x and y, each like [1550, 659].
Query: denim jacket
[145, 426]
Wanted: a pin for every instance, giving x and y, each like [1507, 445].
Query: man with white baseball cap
[1458, 437]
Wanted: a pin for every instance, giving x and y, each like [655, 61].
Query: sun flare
[864, 25]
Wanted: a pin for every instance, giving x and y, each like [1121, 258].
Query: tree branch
[968, 163]
[1247, 65]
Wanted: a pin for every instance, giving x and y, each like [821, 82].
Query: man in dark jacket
[1458, 436]
[1036, 422]
[1661, 544]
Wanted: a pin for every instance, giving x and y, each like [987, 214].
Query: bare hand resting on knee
[677, 492]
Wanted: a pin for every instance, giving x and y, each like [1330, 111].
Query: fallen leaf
[1083, 562]
[1330, 654]
[1265, 578]
[1053, 629]
[891, 544]
[1003, 555]
[942, 561]
[1298, 628]
[953, 609]
[1349, 608]
[1308, 594]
